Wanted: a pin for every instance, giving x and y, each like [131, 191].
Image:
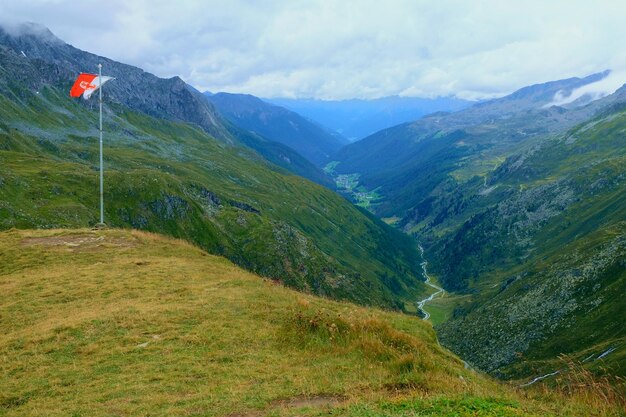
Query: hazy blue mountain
[276, 123]
[356, 119]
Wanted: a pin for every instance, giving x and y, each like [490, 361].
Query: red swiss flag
[82, 83]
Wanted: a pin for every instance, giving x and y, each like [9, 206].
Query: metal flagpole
[101, 167]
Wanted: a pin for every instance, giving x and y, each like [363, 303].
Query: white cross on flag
[87, 84]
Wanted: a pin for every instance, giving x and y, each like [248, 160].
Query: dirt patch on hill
[316, 401]
[79, 242]
[300, 401]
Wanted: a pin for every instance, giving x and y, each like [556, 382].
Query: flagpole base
[100, 226]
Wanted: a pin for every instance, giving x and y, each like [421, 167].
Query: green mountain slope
[116, 322]
[57, 63]
[554, 253]
[280, 155]
[174, 178]
[279, 124]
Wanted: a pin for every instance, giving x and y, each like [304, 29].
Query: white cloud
[591, 92]
[343, 49]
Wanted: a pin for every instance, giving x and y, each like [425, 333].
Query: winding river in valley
[439, 290]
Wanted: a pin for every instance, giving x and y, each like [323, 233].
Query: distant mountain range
[405, 161]
[309, 139]
[356, 119]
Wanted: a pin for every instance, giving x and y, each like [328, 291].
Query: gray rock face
[170, 207]
[549, 299]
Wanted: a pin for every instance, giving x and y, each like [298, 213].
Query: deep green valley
[521, 211]
[255, 262]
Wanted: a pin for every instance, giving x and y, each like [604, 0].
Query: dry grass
[101, 323]
[602, 393]
[94, 321]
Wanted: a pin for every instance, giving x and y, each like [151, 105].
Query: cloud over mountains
[333, 49]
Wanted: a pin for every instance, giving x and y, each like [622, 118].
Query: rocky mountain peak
[26, 30]
[141, 91]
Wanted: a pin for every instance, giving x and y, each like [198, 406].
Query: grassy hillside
[117, 322]
[174, 178]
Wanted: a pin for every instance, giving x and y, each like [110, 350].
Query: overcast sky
[345, 49]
